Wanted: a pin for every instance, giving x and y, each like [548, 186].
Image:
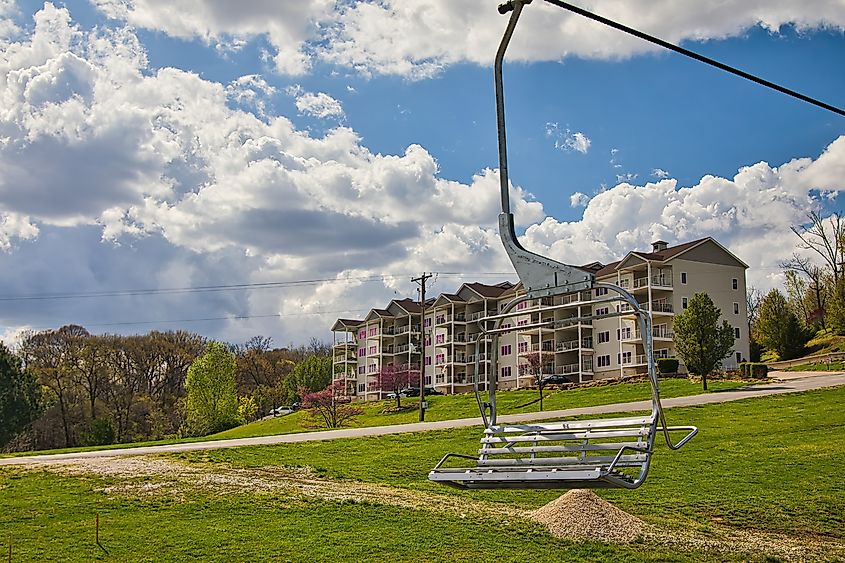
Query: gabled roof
[490, 291]
[407, 304]
[664, 255]
[346, 324]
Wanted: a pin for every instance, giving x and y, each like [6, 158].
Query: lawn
[449, 407]
[766, 466]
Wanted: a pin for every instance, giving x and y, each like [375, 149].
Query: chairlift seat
[604, 453]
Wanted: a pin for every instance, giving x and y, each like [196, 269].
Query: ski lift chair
[602, 453]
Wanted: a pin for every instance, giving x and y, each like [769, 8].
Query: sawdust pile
[582, 514]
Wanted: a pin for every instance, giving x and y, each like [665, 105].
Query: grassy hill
[759, 483]
[449, 407]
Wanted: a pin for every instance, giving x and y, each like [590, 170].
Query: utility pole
[421, 281]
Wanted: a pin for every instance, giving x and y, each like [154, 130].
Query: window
[506, 350]
[602, 310]
[362, 334]
[441, 319]
[736, 332]
[735, 283]
[604, 336]
[738, 357]
[522, 322]
[624, 333]
[601, 291]
[428, 360]
[362, 387]
[521, 305]
[428, 341]
[373, 350]
[736, 308]
[684, 302]
[683, 277]
[440, 358]
[441, 338]
[362, 352]
[427, 323]
[373, 331]
[625, 358]
[362, 370]
[373, 368]
[522, 347]
[603, 361]
[506, 325]
[506, 371]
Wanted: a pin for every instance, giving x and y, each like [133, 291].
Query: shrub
[667, 365]
[753, 370]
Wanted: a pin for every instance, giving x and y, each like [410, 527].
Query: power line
[692, 54]
[208, 319]
[231, 287]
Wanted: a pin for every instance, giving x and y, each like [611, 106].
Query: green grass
[449, 407]
[770, 464]
[52, 519]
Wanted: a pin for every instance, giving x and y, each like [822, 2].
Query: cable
[206, 319]
[696, 56]
[233, 287]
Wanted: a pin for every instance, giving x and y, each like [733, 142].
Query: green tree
[20, 396]
[699, 338]
[778, 328]
[212, 401]
[311, 374]
[836, 308]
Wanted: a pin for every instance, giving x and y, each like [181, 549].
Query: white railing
[660, 280]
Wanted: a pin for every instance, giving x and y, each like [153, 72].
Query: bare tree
[753, 298]
[824, 236]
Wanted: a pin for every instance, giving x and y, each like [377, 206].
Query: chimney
[659, 245]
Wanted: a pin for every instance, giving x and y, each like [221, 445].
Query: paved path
[785, 382]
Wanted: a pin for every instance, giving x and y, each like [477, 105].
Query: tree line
[67, 387]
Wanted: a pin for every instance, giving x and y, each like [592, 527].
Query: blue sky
[210, 145]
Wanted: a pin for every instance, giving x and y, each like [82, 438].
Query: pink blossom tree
[393, 379]
[331, 406]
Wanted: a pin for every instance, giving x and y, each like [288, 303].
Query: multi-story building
[663, 280]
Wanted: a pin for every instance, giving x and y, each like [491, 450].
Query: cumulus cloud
[578, 200]
[319, 105]
[418, 39]
[660, 173]
[750, 213]
[96, 141]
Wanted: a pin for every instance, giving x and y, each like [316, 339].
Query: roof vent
[659, 245]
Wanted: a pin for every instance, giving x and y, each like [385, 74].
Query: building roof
[490, 290]
[662, 255]
[346, 324]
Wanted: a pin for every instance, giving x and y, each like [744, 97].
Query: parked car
[555, 379]
[432, 391]
[410, 392]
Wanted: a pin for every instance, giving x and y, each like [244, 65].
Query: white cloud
[287, 25]
[660, 173]
[566, 140]
[319, 105]
[197, 189]
[750, 213]
[578, 200]
[418, 39]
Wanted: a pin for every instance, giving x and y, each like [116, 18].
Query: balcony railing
[660, 280]
[662, 307]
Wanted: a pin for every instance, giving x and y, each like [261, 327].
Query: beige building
[663, 279]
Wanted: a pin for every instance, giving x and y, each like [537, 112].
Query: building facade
[662, 280]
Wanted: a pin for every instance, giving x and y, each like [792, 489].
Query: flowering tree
[393, 379]
[534, 369]
[331, 406]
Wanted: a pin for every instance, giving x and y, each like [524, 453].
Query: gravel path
[784, 382]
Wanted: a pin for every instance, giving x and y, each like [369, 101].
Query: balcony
[478, 357]
[567, 346]
[663, 281]
[405, 328]
[347, 344]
